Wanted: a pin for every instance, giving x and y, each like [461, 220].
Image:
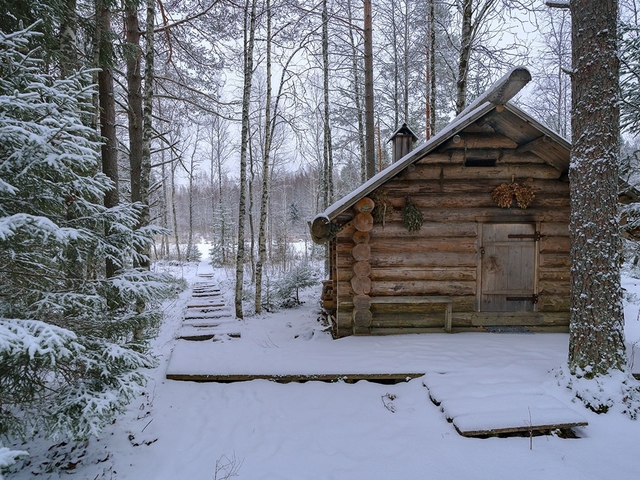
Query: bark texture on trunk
[465, 54]
[264, 201]
[107, 114]
[368, 92]
[250, 23]
[596, 326]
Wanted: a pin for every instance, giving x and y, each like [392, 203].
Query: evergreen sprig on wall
[412, 216]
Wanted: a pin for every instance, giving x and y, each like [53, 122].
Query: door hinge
[532, 298]
[534, 236]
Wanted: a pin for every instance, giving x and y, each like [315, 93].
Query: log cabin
[466, 232]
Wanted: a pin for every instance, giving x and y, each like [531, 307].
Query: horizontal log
[548, 287]
[554, 260]
[554, 275]
[554, 229]
[380, 246]
[434, 319]
[461, 156]
[476, 199]
[399, 188]
[550, 244]
[478, 140]
[494, 214]
[511, 156]
[554, 303]
[435, 259]
[394, 229]
[411, 300]
[405, 330]
[463, 303]
[483, 199]
[422, 273]
[505, 172]
[422, 288]
[513, 318]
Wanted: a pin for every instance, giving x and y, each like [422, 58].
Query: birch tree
[249, 42]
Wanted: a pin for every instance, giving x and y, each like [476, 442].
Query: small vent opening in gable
[480, 162]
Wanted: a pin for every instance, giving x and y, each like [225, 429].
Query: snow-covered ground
[266, 430]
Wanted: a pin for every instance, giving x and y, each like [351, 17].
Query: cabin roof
[492, 108]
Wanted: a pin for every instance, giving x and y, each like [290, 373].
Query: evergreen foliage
[70, 343]
[287, 290]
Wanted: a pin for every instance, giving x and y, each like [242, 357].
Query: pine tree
[596, 340]
[68, 362]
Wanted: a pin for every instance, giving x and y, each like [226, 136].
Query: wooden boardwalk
[207, 317]
[477, 408]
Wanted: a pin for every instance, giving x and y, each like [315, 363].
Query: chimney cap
[403, 130]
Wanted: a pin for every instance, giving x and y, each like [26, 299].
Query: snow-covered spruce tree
[68, 362]
[597, 360]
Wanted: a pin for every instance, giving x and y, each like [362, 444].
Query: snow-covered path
[317, 430]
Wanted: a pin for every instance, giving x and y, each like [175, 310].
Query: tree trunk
[134, 97]
[430, 102]
[396, 67]
[107, 114]
[368, 92]
[465, 54]
[68, 40]
[262, 240]
[174, 213]
[596, 341]
[249, 33]
[328, 151]
[356, 95]
[147, 128]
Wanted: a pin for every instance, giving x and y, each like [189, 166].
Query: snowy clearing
[316, 430]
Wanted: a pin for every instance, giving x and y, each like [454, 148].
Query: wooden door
[508, 267]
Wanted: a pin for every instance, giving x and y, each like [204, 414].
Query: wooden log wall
[443, 257]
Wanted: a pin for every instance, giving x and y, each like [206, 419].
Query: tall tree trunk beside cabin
[596, 342]
[249, 35]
